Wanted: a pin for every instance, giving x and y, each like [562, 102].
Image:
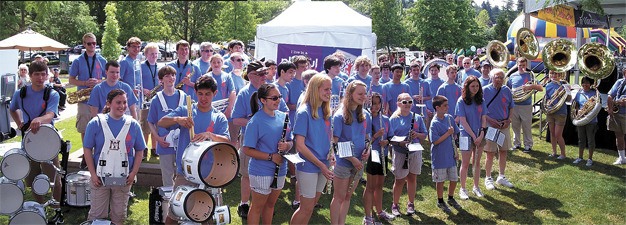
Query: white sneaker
[561, 157]
[619, 161]
[589, 162]
[477, 192]
[489, 183]
[504, 182]
[463, 194]
[578, 160]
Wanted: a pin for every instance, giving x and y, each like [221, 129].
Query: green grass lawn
[547, 191]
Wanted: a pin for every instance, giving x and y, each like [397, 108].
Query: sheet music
[294, 158]
[414, 147]
[375, 156]
[464, 144]
[491, 134]
[398, 138]
[500, 141]
[344, 149]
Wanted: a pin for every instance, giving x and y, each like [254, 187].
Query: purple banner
[317, 55]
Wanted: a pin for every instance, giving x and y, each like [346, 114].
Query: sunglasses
[238, 60]
[207, 50]
[405, 102]
[90, 43]
[275, 98]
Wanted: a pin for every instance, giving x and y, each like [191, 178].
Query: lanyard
[152, 73]
[180, 73]
[90, 68]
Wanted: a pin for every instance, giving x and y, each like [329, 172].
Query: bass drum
[189, 203]
[210, 163]
[442, 68]
[15, 165]
[32, 213]
[43, 146]
[11, 196]
[78, 189]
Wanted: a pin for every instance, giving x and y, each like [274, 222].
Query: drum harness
[46, 97]
[115, 152]
[172, 136]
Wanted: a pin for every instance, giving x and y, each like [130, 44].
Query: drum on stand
[41, 184]
[15, 165]
[78, 189]
[11, 196]
[43, 146]
[213, 164]
[32, 213]
[192, 204]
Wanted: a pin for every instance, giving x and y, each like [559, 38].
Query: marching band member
[434, 82]
[332, 67]
[450, 89]
[616, 122]
[150, 80]
[98, 98]
[296, 89]
[587, 132]
[406, 165]
[471, 113]
[108, 130]
[271, 71]
[351, 124]
[225, 85]
[468, 70]
[127, 65]
[241, 114]
[188, 73]
[312, 117]
[485, 68]
[163, 103]
[362, 65]
[499, 106]
[419, 90]
[376, 86]
[521, 115]
[373, 193]
[392, 89]
[41, 108]
[286, 70]
[341, 58]
[207, 122]
[236, 75]
[264, 144]
[204, 62]
[385, 70]
[235, 46]
[556, 121]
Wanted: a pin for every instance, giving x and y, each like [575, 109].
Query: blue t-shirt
[238, 81]
[464, 74]
[617, 93]
[551, 88]
[337, 85]
[500, 107]
[149, 75]
[263, 133]
[33, 105]
[203, 66]
[367, 80]
[224, 85]
[383, 80]
[442, 155]
[401, 125]
[296, 87]
[157, 111]
[212, 121]
[98, 97]
[133, 140]
[284, 90]
[377, 89]
[376, 123]
[452, 92]
[473, 115]
[242, 108]
[80, 71]
[434, 85]
[414, 89]
[484, 81]
[343, 75]
[582, 97]
[391, 92]
[127, 71]
[184, 70]
[316, 134]
[355, 132]
[517, 80]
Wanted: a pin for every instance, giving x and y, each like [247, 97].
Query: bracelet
[269, 158]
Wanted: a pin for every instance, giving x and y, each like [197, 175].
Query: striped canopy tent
[616, 42]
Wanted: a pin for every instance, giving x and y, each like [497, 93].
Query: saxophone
[180, 85]
[79, 96]
[153, 92]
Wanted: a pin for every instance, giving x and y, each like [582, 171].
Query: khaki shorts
[493, 147]
[415, 164]
[444, 174]
[83, 117]
[343, 172]
[616, 123]
[244, 161]
[556, 119]
[143, 121]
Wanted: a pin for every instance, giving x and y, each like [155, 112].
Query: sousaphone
[595, 61]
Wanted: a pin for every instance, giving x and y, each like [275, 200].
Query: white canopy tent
[316, 23]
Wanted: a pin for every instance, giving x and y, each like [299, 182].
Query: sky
[499, 3]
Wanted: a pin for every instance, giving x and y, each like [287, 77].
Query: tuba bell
[558, 55]
[583, 115]
[527, 44]
[595, 61]
[497, 54]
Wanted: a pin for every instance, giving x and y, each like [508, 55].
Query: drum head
[41, 184]
[199, 206]
[11, 198]
[43, 146]
[77, 178]
[27, 217]
[15, 165]
[219, 165]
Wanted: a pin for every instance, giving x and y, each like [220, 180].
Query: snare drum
[11, 196]
[15, 165]
[41, 184]
[188, 203]
[32, 213]
[222, 215]
[214, 164]
[78, 189]
[43, 146]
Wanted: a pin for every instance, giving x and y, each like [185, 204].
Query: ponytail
[254, 102]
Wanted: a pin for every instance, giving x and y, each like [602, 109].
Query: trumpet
[79, 96]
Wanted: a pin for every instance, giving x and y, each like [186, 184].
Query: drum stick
[190, 115]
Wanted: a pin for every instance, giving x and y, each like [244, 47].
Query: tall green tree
[142, 19]
[267, 10]
[485, 32]
[236, 20]
[190, 19]
[386, 23]
[110, 48]
[74, 15]
[501, 28]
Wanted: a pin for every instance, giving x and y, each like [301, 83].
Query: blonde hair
[362, 60]
[455, 67]
[312, 96]
[215, 56]
[149, 46]
[347, 99]
[396, 113]
[88, 35]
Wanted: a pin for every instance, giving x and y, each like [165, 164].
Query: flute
[277, 168]
[452, 136]
[382, 150]
[355, 180]
[334, 103]
[190, 115]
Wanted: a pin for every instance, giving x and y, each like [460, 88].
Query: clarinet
[282, 139]
[406, 160]
[382, 151]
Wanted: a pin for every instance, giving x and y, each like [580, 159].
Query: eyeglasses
[238, 60]
[275, 98]
[134, 46]
[207, 50]
[90, 43]
[405, 102]
[466, 63]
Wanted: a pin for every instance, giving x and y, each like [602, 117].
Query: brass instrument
[558, 55]
[497, 54]
[595, 61]
[153, 92]
[180, 84]
[79, 96]
[519, 94]
[220, 105]
[556, 101]
[527, 44]
[588, 111]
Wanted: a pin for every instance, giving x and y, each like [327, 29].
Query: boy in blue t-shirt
[443, 153]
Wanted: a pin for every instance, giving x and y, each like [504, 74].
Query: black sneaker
[454, 204]
[242, 211]
[295, 205]
[57, 218]
[318, 205]
[444, 207]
